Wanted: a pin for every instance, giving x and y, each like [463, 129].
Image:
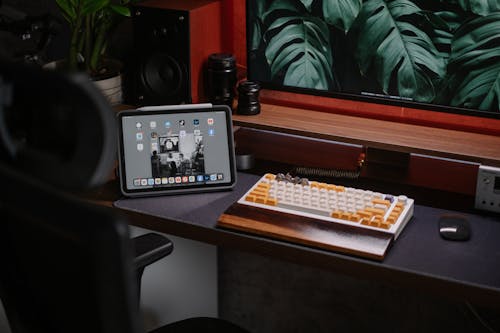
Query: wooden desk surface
[382, 134]
[419, 259]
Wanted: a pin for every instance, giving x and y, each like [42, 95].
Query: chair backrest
[65, 265]
[57, 127]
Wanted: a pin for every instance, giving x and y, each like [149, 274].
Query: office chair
[68, 265]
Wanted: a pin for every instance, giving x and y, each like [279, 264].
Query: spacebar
[305, 209]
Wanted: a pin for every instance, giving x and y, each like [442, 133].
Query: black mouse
[454, 227]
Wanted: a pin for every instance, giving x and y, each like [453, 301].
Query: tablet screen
[173, 151]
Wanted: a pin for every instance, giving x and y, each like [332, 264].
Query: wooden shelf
[473, 147]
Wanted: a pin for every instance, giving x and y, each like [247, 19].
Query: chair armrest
[150, 248]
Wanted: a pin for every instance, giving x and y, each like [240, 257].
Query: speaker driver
[162, 75]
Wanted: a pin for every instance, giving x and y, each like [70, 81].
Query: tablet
[172, 150]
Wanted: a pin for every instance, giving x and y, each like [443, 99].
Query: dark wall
[13, 48]
[17, 16]
[33, 7]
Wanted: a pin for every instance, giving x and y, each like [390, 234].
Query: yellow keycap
[395, 216]
[345, 216]
[391, 219]
[340, 188]
[381, 202]
[271, 202]
[265, 186]
[270, 176]
[375, 211]
[385, 225]
[250, 198]
[336, 214]
[258, 192]
[364, 213]
[355, 218]
[260, 200]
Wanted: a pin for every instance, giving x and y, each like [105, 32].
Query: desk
[419, 259]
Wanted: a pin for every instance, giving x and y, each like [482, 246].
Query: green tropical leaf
[93, 6]
[397, 50]
[480, 89]
[258, 10]
[299, 50]
[120, 10]
[67, 9]
[307, 4]
[444, 25]
[297, 45]
[341, 13]
[474, 65]
[293, 6]
[480, 7]
[256, 36]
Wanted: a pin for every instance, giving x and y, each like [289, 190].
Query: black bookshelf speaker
[172, 41]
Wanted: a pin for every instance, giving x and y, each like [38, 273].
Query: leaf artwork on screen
[443, 52]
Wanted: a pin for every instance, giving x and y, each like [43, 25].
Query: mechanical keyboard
[339, 218]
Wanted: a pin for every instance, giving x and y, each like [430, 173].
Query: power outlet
[488, 189]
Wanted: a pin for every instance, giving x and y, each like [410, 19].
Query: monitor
[422, 54]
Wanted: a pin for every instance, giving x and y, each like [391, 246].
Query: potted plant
[91, 23]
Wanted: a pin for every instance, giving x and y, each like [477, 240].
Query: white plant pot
[111, 89]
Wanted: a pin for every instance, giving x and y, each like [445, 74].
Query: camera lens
[248, 101]
[221, 78]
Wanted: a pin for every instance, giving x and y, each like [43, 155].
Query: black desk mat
[201, 208]
[418, 249]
